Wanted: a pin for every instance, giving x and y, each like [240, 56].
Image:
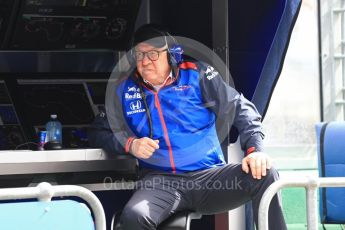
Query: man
[168, 122]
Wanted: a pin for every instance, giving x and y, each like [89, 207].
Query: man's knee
[272, 174]
[136, 218]
[259, 186]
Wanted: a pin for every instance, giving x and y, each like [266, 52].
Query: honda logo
[135, 105]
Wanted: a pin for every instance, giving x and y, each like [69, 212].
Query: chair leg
[192, 216]
[115, 221]
[179, 221]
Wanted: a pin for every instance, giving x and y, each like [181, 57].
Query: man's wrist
[129, 144]
[251, 150]
[132, 145]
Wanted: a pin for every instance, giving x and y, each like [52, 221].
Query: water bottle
[54, 130]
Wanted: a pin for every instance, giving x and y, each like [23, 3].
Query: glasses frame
[147, 54]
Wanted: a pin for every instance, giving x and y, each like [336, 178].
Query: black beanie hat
[152, 34]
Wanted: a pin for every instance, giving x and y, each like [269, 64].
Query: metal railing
[310, 184]
[338, 19]
[45, 191]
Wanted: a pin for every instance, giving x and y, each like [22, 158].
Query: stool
[178, 221]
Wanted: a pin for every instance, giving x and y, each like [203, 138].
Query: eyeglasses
[153, 55]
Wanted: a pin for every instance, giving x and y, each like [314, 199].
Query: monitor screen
[8, 115]
[69, 101]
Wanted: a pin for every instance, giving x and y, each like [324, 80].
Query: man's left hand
[257, 163]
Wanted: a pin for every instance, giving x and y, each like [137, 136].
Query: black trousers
[159, 195]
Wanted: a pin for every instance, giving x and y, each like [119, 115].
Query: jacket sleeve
[231, 108]
[110, 131]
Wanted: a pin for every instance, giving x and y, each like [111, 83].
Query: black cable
[26, 143]
[147, 109]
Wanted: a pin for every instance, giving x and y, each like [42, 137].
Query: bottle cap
[54, 116]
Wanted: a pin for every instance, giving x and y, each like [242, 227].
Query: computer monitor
[75, 101]
[68, 99]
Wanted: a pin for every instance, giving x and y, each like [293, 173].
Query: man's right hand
[144, 147]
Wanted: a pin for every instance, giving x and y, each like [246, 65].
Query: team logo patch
[135, 107]
[132, 93]
[210, 73]
[181, 87]
[133, 89]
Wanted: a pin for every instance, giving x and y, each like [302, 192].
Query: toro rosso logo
[135, 107]
[132, 89]
[210, 73]
[181, 87]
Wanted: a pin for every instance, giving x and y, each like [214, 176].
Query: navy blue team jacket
[183, 115]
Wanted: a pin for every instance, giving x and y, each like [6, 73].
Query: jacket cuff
[255, 144]
[128, 144]
[250, 150]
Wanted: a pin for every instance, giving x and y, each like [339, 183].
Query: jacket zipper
[165, 130]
